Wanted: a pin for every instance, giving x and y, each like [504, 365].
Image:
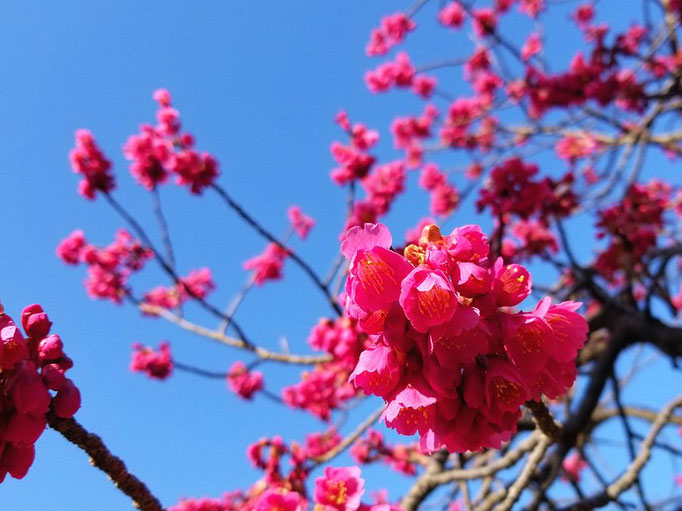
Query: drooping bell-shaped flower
[428, 298]
[377, 372]
[410, 411]
[461, 339]
[375, 271]
[512, 283]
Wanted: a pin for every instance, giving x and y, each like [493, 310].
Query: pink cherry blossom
[339, 489]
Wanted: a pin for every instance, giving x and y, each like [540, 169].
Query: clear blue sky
[258, 83]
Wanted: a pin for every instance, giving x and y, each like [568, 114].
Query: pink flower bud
[67, 401]
[35, 321]
[512, 283]
[23, 430]
[53, 376]
[378, 371]
[17, 460]
[51, 348]
[410, 411]
[29, 394]
[162, 97]
[12, 344]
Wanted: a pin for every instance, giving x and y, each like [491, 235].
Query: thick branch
[101, 458]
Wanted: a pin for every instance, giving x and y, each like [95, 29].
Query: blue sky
[258, 84]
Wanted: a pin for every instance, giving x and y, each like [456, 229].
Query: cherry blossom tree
[492, 349]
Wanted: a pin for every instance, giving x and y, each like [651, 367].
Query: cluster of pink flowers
[197, 284]
[399, 73]
[383, 184]
[534, 237]
[244, 382]
[164, 149]
[353, 160]
[444, 196]
[372, 447]
[268, 265]
[484, 21]
[231, 501]
[300, 223]
[326, 386]
[449, 355]
[584, 81]
[337, 489]
[452, 15]
[392, 31]
[321, 390]
[512, 190]
[408, 132]
[157, 364]
[318, 443]
[30, 367]
[88, 160]
[459, 128]
[527, 204]
[108, 267]
[632, 225]
[573, 147]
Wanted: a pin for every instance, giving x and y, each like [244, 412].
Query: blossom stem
[134, 224]
[332, 453]
[267, 235]
[215, 335]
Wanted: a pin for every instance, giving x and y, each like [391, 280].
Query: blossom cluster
[444, 195]
[88, 160]
[449, 355]
[300, 222]
[513, 189]
[337, 489]
[157, 364]
[514, 194]
[244, 382]
[353, 160]
[196, 284]
[632, 226]
[373, 447]
[156, 152]
[400, 73]
[30, 367]
[108, 267]
[159, 151]
[409, 132]
[326, 386]
[392, 31]
[268, 265]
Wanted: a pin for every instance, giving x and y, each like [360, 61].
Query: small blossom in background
[243, 382]
[301, 223]
[157, 364]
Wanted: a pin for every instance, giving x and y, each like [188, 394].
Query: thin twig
[232, 341]
[338, 449]
[267, 235]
